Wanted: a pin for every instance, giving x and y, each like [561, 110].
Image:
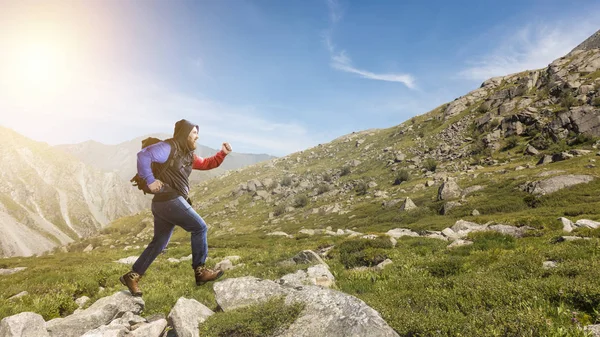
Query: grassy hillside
[497, 286]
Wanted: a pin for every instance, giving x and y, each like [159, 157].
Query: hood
[181, 133]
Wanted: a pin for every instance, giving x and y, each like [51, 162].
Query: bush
[363, 252]
[279, 209]
[327, 177]
[264, 319]
[286, 181]
[512, 142]
[491, 240]
[300, 201]
[596, 101]
[361, 188]
[430, 164]
[345, 171]
[323, 189]
[448, 266]
[401, 177]
[567, 100]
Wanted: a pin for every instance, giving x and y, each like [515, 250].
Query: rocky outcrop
[554, 184]
[327, 312]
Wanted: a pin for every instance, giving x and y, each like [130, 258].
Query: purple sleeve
[155, 153]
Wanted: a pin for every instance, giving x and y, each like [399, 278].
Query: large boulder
[327, 312]
[100, 313]
[449, 190]
[554, 184]
[25, 324]
[186, 315]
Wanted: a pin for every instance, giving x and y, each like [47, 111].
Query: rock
[25, 324]
[88, 249]
[567, 224]
[429, 183]
[587, 223]
[570, 238]
[128, 260]
[100, 313]
[593, 329]
[390, 203]
[320, 275]
[82, 301]
[173, 260]
[549, 264]
[11, 271]
[530, 150]
[458, 243]
[224, 265]
[449, 206]
[309, 232]
[308, 257]
[327, 312]
[449, 190]
[152, 329]
[555, 184]
[513, 231]
[475, 212]
[383, 264]
[186, 315]
[408, 205]
[280, 234]
[450, 234]
[546, 159]
[400, 232]
[19, 295]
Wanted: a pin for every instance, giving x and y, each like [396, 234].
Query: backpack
[157, 171]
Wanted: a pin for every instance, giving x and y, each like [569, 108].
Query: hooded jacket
[176, 176]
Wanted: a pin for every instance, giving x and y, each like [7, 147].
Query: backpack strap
[169, 162]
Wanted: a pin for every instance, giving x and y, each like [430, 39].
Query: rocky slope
[48, 198]
[121, 158]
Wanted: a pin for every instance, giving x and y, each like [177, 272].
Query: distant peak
[592, 42]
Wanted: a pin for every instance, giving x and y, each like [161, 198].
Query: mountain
[478, 218]
[49, 198]
[121, 158]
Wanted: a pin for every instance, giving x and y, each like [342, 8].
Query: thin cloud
[342, 62]
[530, 47]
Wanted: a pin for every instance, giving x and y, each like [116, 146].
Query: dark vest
[175, 175]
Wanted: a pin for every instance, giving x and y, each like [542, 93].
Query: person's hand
[155, 186]
[226, 148]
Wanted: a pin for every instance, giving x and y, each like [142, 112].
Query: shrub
[532, 201]
[430, 164]
[512, 142]
[596, 101]
[286, 181]
[491, 240]
[345, 171]
[567, 100]
[401, 177]
[363, 252]
[324, 188]
[448, 266]
[279, 209]
[264, 319]
[361, 188]
[300, 201]
[327, 177]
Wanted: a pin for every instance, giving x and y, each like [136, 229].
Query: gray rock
[587, 223]
[555, 184]
[458, 243]
[567, 224]
[152, 329]
[100, 313]
[327, 312]
[25, 324]
[593, 329]
[186, 315]
[408, 205]
[19, 295]
[279, 234]
[82, 301]
[224, 265]
[549, 264]
[449, 206]
[308, 257]
[11, 271]
[530, 150]
[400, 232]
[449, 190]
[383, 264]
[513, 231]
[128, 260]
[450, 234]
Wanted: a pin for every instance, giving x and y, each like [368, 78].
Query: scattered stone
[82, 301]
[449, 190]
[549, 264]
[458, 243]
[186, 315]
[128, 260]
[408, 205]
[383, 264]
[88, 249]
[23, 324]
[400, 232]
[555, 184]
[280, 234]
[11, 271]
[475, 212]
[567, 224]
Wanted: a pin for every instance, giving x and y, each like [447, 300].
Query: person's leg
[163, 230]
[183, 215]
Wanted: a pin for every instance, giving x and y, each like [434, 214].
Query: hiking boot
[204, 275]
[131, 281]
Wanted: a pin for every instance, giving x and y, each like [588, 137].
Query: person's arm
[208, 163]
[155, 153]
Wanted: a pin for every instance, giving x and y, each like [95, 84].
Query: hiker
[174, 160]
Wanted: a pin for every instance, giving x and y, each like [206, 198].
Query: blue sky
[268, 76]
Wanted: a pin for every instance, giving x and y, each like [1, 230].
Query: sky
[267, 76]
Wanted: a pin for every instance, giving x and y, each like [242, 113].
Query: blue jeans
[168, 214]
